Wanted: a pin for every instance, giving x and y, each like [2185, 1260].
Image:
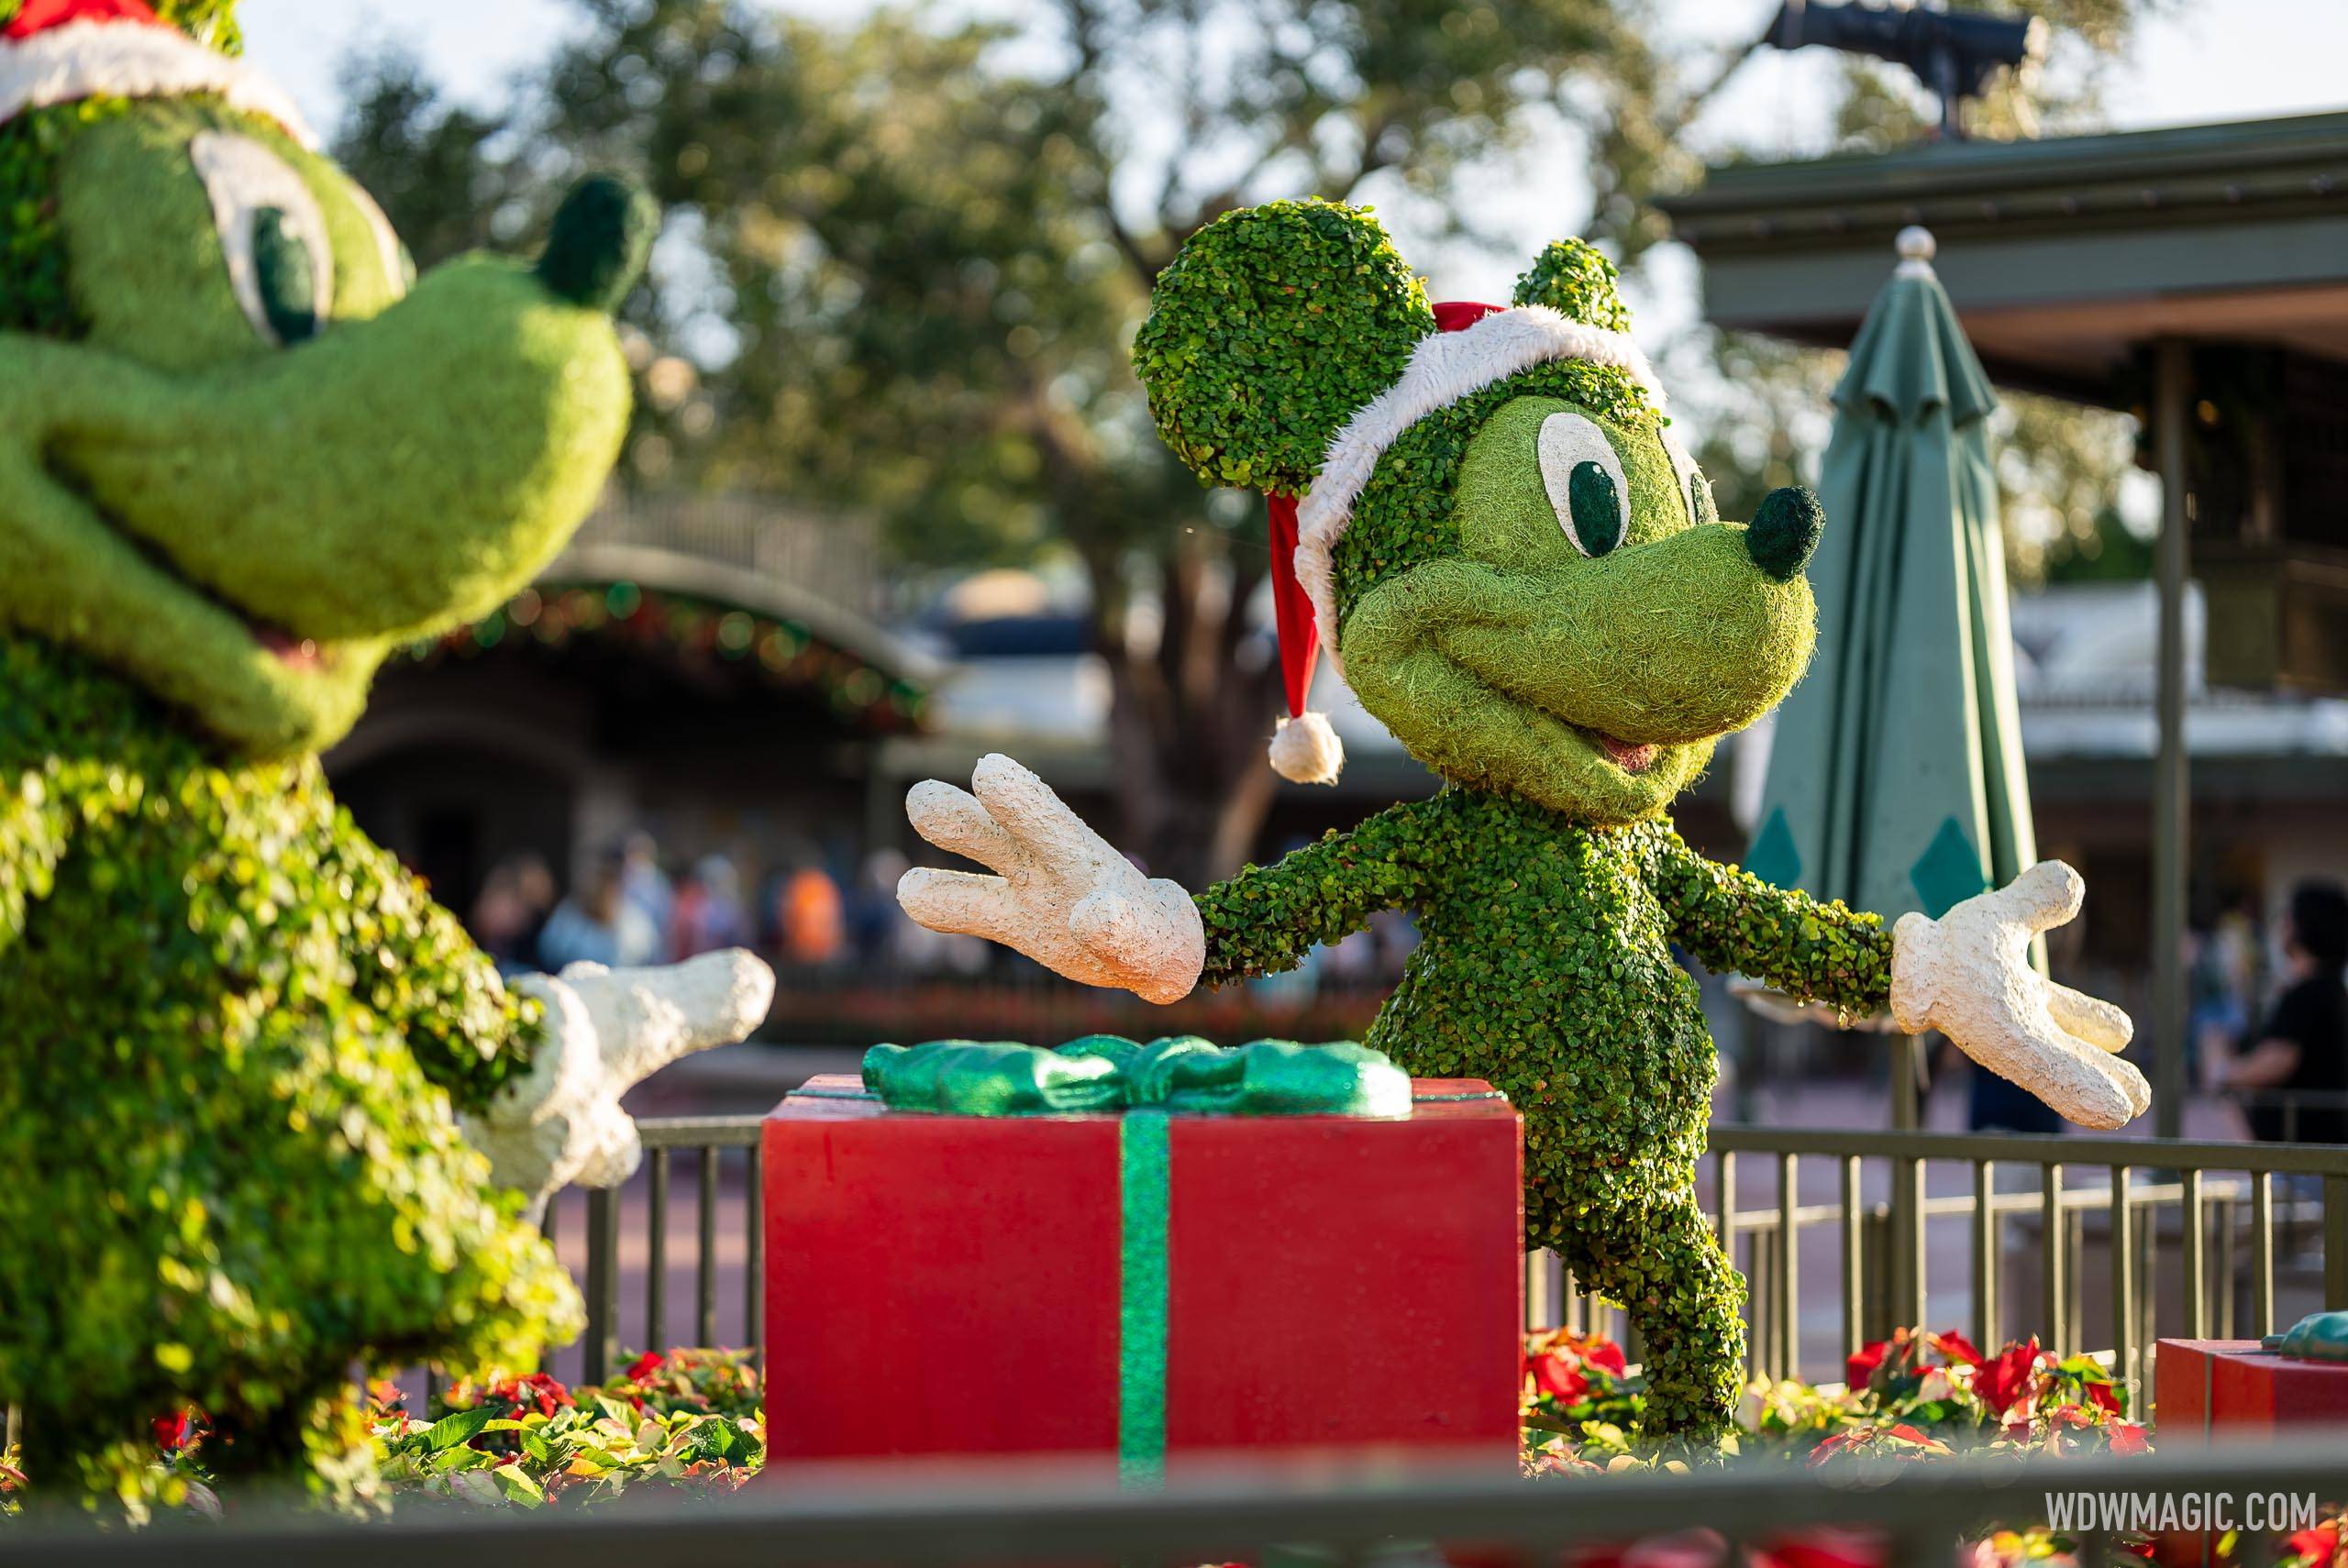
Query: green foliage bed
[687, 1422]
[690, 1421]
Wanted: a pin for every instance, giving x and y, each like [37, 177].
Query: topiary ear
[1575, 280]
[212, 22]
[1272, 327]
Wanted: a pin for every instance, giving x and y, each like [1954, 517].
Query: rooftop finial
[1916, 246]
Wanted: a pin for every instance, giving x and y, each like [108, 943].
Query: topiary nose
[601, 234]
[1785, 532]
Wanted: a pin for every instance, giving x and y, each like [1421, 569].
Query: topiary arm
[537, 1070]
[1262, 921]
[36, 824]
[1732, 920]
[420, 972]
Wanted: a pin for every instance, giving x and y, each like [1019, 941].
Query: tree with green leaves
[906, 256]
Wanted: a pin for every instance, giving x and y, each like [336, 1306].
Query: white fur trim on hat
[133, 59]
[1305, 750]
[1443, 369]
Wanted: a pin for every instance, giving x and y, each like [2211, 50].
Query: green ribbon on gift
[1108, 1073]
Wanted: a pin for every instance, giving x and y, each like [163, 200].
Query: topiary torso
[1546, 967]
[233, 1029]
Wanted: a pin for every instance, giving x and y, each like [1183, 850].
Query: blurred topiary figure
[242, 455]
[1488, 520]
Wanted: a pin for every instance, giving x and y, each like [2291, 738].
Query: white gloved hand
[606, 1031]
[1968, 974]
[1064, 898]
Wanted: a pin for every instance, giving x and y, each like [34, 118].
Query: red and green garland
[781, 654]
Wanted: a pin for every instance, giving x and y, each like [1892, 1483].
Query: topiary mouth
[288, 648]
[1633, 758]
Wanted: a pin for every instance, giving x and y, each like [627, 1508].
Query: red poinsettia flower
[2127, 1437]
[2009, 1377]
[1862, 1362]
[1841, 1442]
[1556, 1376]
[2316, 1545]
[539, 1391]
[174, 1432]
[1956, 1349]
[645, 1366]
[2105, 1397]
[1823, 1547]
[1607, 1356]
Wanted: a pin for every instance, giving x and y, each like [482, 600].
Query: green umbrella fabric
[1896, 779]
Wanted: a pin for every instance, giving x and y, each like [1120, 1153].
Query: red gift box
[2232, 1388]
[957, 1284]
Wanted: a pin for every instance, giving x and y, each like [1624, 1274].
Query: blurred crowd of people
[2287, 1060]
[2267, 1027]
[630, 908]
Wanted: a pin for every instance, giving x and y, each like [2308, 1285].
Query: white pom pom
[1305, 750]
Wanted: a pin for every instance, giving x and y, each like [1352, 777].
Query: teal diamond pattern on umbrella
[1948, 872]
[1773, 857]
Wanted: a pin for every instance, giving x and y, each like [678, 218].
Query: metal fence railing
[1916, 1515]
[2097, 1244]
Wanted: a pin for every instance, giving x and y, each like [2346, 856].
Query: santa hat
[60, 51]
[1474, 346]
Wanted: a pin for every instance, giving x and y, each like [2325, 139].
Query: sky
[2208, 59]
[2204, 60]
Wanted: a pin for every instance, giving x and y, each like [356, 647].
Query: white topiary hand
[606, 1031]
[1968, 974]
[1064, 898]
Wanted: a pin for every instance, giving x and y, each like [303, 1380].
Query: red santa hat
[60, 51]
[1474, 346]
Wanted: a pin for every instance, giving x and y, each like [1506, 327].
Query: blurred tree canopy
[906, 254]
[2059, 463]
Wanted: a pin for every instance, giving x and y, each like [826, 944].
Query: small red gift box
[960, 1285]
[2232, 1388]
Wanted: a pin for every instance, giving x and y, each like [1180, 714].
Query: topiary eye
[289, 289]
[1583, 475]
[273, 237]
[1693, 485]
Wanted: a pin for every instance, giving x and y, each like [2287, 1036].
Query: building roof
[2061, 255]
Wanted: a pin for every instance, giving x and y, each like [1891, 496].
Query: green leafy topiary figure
[244, 1059]
[1527, 583]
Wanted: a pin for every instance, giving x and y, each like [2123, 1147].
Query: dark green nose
[603, 232]
[1785, 533]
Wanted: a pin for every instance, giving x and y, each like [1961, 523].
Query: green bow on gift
[2319, 1336]
[1108, 1073]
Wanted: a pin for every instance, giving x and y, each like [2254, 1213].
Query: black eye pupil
[1597, 508]
[289, 287]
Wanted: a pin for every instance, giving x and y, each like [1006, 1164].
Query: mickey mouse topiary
[240, 1048]
[1525, 579]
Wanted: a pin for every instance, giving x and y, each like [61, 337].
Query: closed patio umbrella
[1895, 780]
